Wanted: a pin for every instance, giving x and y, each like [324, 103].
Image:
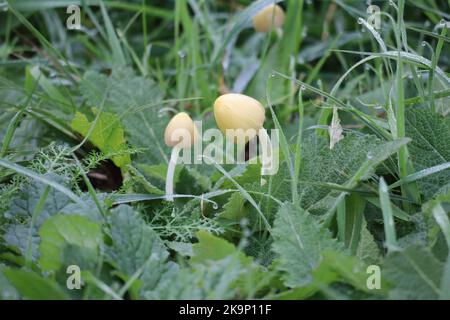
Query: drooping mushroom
[180, 133]
[270, 17]
[234, 112]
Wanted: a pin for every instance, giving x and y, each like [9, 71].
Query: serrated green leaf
[299, 243]
[135, 247]
[430, 146]
[352, 160]
[21, 210]
[212, 280]
[414, 273]
[135, 101]
[368, 250]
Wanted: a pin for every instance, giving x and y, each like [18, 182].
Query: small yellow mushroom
[180, 129]
[270, 17]
[180, 133]
[237, 112]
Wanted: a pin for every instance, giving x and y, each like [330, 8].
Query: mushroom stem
[171, 172]
[266, 152]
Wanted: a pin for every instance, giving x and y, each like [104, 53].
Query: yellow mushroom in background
[180, 133]
[234, 111]
[270, 17]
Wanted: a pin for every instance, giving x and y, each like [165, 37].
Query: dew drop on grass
[182, 54]
[243, 222]
[424, 43]
[302, 87]
[360, 20]
[391, 3]
[215, 206]
[369, 155]
[443, 22]
[305, 32]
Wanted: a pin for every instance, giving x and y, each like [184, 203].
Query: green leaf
[21, 210]
[414, 274]
[210, 247]
[368, 250]
[7, 290]
[352, 160]
[32, 286]
[212, 280]
[299, 242]
[136, 101]
[430, 146]
[60, 231]
[107, 135]
[235, 208]
[135, 247]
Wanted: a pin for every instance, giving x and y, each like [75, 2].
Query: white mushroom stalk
[237, 115]
[180, 133]
[268, 18]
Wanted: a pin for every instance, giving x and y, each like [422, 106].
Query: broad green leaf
[430, 146]
[135, 247]
[212, 280]
[136, 101]
[414, 273]
[60, 231]
[299, 243]
[107, 135]
[32, 286]
[335, 267]
[352, 160]
[7, 290]
[210, 247]
[19, 215]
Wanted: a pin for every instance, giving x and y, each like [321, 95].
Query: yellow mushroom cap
[269, 17]
[238, 111]
[182, 129]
